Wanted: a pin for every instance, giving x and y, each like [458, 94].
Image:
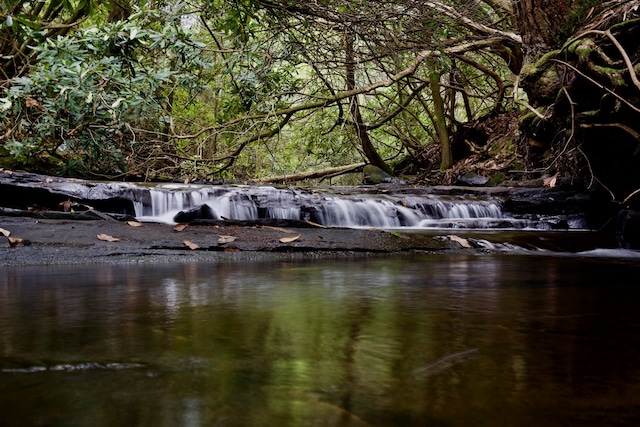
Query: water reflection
[322, 343]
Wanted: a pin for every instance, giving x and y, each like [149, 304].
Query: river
[421, 340]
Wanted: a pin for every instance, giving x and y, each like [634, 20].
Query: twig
[626, 199]
[533, 110]
[625, 128]
[594, 177]
[623, 53]
[598, 84]
[573, 125]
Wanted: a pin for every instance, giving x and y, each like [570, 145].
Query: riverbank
[73, 238]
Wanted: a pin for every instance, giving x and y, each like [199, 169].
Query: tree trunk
[446, 157]
[354, 108]
[539, 21]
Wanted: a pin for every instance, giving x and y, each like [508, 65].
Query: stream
[536, 326]
[415, 340]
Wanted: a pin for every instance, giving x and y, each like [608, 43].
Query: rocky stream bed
[49, 220]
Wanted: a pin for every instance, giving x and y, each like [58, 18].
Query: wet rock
[373, 175]
[28, 191]
[628, 229]
[201, 212]
[472, 180]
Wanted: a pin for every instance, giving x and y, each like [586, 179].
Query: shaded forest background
[282, 90]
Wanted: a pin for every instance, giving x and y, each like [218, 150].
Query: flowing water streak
[383, 211]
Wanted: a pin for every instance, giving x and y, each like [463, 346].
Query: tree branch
[410, 70]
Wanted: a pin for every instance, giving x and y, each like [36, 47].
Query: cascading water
[163, 203]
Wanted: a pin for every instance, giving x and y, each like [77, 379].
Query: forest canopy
[259, 89]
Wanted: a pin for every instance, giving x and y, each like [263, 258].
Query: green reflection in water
[322, 343]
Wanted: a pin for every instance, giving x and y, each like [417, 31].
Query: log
[323, 173]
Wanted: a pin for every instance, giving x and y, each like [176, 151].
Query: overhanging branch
[410, 70]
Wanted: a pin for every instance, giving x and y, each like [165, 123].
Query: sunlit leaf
[289, 239]
[180, 227]
[226, 239]
[107, 238]
[190, 245]
[14, 241]
[5, 104]
[462, 241]
[5, 233]
[135, 224]
[550, 182]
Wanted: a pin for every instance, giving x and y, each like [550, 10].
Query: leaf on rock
[135, 224]
[180, 227]
[190, 245]
[66, 206]
[48, 180]
[282, 230]
[289, 239]
[462, 241]
[550, 182]
[226, 239]
[14, 241]
[315, 224]
[5, 233]
[107, 238]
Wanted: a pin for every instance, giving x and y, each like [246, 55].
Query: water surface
[348, 342]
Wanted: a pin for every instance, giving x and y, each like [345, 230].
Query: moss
[583, 49]
[612, 74]
[541, 65]
[625, 24]
[496, 180]
[530, 118]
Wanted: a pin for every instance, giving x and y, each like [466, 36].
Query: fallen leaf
[32, 102]
[180, 227]
[315, 224]
[463, 242]
[14, 241]
[190, 245]
[289, 239]
[282, 230]
[5, 233]
[226, 239]
[48, 180]
[107, 238]
[231, 248]
[550, 182]
[8, 172]
[66, 206]
[135, 224]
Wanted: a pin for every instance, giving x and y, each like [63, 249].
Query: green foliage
[197, 90]
[88, 91]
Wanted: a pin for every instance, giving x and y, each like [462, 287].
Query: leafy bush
[91, 92]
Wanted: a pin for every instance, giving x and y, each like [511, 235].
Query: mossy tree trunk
[581, 75]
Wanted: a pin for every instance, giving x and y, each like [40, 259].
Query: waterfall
[163, 203]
